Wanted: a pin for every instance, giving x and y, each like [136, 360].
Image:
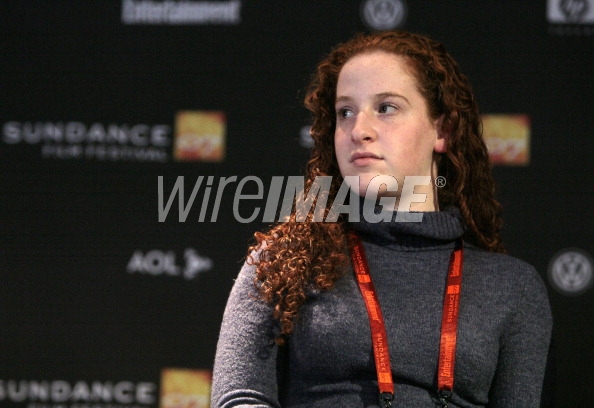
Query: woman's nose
[363, 129]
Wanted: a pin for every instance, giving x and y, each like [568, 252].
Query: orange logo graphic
[199, 136]
[185, 388]
[507, 138]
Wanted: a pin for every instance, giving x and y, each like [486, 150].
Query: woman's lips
[364, 158]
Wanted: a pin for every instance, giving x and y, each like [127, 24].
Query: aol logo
[156, 263]
[570, 271]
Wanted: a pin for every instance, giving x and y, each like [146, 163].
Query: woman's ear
[443, 136]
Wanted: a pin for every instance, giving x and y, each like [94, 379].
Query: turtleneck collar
[436, 229]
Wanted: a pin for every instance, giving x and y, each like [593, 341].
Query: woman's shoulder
[506, 283]
[503, 270]
[500, 261]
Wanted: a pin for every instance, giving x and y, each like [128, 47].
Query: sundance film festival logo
[571, 17]
[346, 201]
[79, 394]
[95, 141]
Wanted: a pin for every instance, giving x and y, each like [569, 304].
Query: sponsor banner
[185, 388]
[571, 17]
[181, 12]
[570, 271]
[59, 393]
[383, 14]
[164, 263]
[178, 388]
[507, 138]
[75, 140]
[199, 136]
[570, 11]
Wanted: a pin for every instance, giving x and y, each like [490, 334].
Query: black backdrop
[96, 293]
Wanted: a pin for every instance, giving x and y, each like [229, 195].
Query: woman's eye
[388, 108]
[344, 113]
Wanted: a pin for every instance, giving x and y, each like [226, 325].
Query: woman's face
[382, 123]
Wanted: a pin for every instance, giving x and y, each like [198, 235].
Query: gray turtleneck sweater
[503, 331]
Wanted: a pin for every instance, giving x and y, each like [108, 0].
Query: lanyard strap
[379, 337]
[449, 325]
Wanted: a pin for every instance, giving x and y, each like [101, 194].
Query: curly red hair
[296, 257]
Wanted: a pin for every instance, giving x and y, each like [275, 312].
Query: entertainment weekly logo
[185, 12]
[316, 198]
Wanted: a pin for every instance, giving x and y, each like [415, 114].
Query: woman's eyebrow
[381, 95]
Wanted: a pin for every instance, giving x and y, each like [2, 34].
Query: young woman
[306, 327]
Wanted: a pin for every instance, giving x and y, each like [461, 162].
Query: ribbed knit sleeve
[244, 373]
[523, 348]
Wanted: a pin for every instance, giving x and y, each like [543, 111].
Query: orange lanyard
[449, 324]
